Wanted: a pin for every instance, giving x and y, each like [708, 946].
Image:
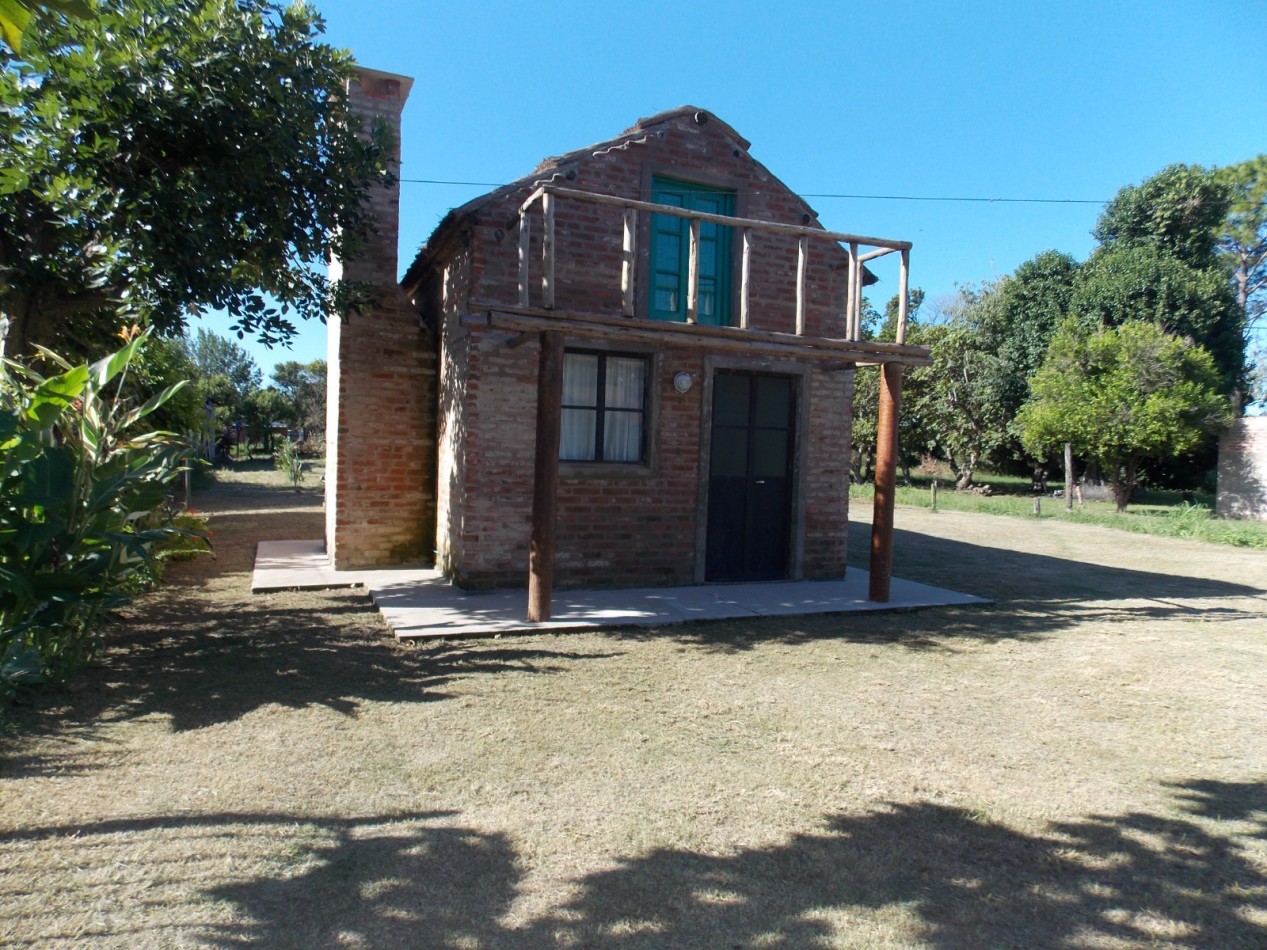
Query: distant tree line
[1135, 357]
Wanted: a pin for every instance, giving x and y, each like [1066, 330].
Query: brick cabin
[695, 422]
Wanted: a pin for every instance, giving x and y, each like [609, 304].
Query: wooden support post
[802, 264]
[545, 476]
[525, 238]
[547, 252]
[1038, 506]
[904, 296]
[627, 262]
[934, 494]
[886, 449]
[692, 275]
[745, 280]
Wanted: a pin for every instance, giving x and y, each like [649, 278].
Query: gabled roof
[561, 168]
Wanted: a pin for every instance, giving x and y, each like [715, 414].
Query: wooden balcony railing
[548, 196]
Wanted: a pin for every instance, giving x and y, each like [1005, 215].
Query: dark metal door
[750, 478]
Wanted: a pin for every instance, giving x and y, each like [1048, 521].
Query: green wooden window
[670, 252]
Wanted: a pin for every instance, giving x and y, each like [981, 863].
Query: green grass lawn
[1156, 512]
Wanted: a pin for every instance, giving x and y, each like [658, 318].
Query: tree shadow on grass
[1138, 879]
[219, 663]
[1032, 596]
[915, 872]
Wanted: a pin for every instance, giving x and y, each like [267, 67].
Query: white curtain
[580, 389]
[622, 430]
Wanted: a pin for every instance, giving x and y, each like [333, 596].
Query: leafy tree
[962, 406]
[160, 364]
[1032, 304]
[173, 155]
[1119, 284]
[1243, 235]
[303, 386]
[263, 407]
[226, 373]
[1157, 261]
[866, 401]
[1179, 211]
[16, 16]
[1122, 395]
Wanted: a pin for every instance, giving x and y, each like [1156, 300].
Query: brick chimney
[380, 428]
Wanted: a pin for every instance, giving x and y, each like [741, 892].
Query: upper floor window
[604, 407]
[670, 252]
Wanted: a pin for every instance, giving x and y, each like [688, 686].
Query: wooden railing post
[886, 449]
[692, 275]
[802, 264]
[525, 238]
[903, 290]
[547, 252]
[745, 280]
[628, 260]
[545, 476]
[852, 316]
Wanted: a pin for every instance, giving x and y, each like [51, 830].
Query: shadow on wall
[928, 873]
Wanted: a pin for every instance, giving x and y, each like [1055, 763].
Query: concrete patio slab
[419, 602]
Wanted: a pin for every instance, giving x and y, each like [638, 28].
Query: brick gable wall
[623, 525]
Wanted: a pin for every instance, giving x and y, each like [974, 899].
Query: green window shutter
[670, 253]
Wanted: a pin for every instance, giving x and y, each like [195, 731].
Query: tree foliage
[1122, 395]
[16, 16]
[1242, 238]
[1157, 261]
[303, 386]
[172, 155]
[1179, 211]
[225, 373]
[961, 403]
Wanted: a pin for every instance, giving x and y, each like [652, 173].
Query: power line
[954, 198]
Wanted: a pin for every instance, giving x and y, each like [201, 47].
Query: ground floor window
[604, 407]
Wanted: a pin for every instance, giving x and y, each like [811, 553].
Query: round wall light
[682, 382]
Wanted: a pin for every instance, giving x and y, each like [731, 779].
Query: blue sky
[924, 100]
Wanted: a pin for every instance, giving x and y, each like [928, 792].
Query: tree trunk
[964, 482]
[1123, 483]
[1068, 476]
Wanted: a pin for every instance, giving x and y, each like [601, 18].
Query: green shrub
[77, 482]
[289, 462]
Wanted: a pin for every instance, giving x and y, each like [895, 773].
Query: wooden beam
[547, 252]
[872, 255]
[628, 262]
[745, 281]
[545, 476]
[722, 219]
[802, 264]
[692, 275]
[525, 239]
[700, 336]
[886, 450]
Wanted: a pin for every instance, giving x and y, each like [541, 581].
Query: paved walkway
[419, 602]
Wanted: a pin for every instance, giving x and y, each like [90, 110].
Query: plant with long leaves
[76, 480]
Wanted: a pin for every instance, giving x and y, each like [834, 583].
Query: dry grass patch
[1079, 764]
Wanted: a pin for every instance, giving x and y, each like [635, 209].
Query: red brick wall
[1243, 470]
[380, 477]
[624, 525]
